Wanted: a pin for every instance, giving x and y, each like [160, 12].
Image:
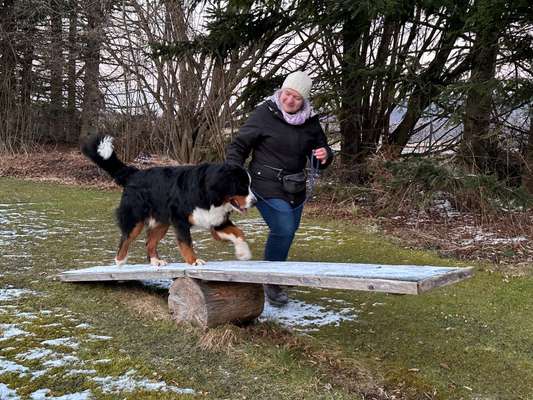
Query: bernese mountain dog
[182, 197]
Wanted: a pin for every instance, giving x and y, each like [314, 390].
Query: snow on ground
[34, 354]
[42, 394]
[65, 341]
[59, 352]
[7, 366]
[6, 393]
[129, 383]
[7, 331]
[302, 316]
[10, 293]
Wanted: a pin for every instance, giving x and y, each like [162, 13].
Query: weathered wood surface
[208, 304]
[406, 279]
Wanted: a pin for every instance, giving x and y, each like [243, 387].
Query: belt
[273, 173]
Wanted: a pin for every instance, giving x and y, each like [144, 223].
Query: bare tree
[72, 133]
[92, 96]
[57, 62]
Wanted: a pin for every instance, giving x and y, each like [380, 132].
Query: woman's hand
[321, 154]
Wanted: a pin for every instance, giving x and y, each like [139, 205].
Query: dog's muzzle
[250, 200]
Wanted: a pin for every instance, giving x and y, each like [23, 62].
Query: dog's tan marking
[122, 253]
[155, 234]
[236, 236]
[188, 254]
[228, 230]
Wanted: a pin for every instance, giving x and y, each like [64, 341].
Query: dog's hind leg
[125, 241]
[231, 233]
[183, 234]
[155, 234]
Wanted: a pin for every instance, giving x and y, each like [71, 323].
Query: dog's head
[231, 184]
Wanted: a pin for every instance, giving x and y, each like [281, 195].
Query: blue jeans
[283, 220]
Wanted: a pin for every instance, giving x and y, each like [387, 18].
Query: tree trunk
[92, 102]
[72, 132]
[351, 93]
[8, 83]
[26, 72]
[207, 304]
[527, 172]
[56, 72]
[479, 146]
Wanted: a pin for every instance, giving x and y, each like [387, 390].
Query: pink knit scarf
[298, 118]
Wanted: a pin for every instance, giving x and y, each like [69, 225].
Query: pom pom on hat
[299, 81]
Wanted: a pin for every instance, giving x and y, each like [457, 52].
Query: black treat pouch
[294, 183]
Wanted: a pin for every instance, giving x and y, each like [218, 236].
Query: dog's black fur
[180, 197]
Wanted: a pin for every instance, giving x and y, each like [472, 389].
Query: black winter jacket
[276, 144]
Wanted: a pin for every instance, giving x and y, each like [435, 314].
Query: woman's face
[291, 101]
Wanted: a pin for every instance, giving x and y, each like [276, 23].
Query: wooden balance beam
[231, 291]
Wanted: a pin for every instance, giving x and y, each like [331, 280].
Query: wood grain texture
[209, 304]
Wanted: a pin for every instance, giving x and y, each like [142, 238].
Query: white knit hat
[299, 81]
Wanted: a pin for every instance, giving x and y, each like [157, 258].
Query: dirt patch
[68, 166]
[503, 240]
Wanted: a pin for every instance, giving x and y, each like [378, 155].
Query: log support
[210, 303]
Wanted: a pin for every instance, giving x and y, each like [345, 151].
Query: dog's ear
[219, 183]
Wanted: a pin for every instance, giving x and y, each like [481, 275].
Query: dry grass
[332, 365]
[220, 339]
[143, 303]
[66, 165]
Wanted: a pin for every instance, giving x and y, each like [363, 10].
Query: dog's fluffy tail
[99, 149]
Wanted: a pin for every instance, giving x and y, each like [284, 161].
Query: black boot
[276, 295]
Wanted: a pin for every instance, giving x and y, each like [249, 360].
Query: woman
[282, 134]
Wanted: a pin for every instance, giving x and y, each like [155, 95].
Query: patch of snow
[335, 301]
[52, 325]
[305, 317]
[60, 360]
[12, 293]
[66, 341]
[487, 238]
[34, 354]
[27, 315]
[128, 383]
[11, 330]
[81, 372]
[7, 366]
[99, 337]
[42, 394]
[38, 374]
[7, 394]
[83, 326]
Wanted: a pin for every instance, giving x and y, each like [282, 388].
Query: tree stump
[209, 303]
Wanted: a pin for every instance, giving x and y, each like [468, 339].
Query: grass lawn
[472, 340]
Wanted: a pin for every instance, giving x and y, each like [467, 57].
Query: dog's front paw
[242, 251]
[120, 262]
[199, 261]
[157, 262]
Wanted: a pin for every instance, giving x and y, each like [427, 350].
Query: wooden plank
[126, 272]
[407, 279]
[444, 280]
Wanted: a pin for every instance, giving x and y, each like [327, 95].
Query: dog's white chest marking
[215, 216]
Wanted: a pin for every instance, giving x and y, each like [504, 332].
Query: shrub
[416, 183]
